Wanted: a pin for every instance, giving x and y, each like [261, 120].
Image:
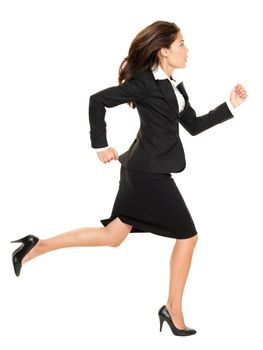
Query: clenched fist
[238, 95]
[108, 155]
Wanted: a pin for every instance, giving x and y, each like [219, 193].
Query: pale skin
[116, 231]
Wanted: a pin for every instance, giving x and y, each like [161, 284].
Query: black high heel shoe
[165, 316]
[28, 242]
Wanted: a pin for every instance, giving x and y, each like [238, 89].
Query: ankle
[33, 253]
[38, 249]
[174, 309]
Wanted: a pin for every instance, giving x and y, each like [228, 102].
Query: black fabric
[151, 202]
[157, 147]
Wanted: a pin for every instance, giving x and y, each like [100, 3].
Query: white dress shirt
[160, 74]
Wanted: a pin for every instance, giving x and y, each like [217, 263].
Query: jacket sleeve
[195, 125]
[133, 90]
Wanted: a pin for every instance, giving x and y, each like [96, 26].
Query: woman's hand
[238, 95]
[108, 155]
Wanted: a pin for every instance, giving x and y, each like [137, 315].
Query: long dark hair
[144, 48]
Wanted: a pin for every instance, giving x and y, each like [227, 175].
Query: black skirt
[151, 202]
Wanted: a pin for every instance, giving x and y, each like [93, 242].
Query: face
[176, 55]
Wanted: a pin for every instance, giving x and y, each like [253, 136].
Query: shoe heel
[162, 319]
[26, 239]
[17, 241]
[165, 316]
[28, 242]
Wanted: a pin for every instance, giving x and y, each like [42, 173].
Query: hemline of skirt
[139, 226]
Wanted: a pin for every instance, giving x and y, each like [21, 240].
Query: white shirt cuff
[101, 149]
[230, 106]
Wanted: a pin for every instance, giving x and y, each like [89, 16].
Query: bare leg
[111, 235]
[180, 263]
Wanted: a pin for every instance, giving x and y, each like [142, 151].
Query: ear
[163, 52]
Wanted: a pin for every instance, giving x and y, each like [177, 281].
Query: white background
[54, 55]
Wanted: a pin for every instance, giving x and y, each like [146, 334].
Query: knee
[112, 240]
[190, 241]
[194, 239]
[114, 243]
[116, 235]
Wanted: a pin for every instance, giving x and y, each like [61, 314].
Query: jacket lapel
[169, 94]
[170, 97]
[181, 88]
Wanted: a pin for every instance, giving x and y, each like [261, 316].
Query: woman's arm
[133, 90]
[195, 125]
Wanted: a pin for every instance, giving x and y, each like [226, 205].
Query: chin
[181, 65]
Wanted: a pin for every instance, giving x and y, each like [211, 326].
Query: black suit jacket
[157, 147]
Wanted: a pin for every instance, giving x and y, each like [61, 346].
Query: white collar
[160, 74]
